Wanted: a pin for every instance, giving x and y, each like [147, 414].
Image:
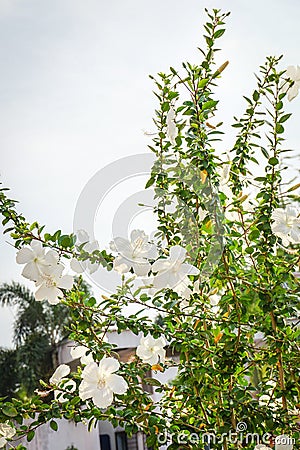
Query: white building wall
[68, 434]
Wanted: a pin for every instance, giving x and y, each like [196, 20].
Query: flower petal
[141, 269]
[54, 270]
[78, 351]
[293, 92]
[161, 265]
[177, 254]
[62, 371]
[66, 282]
[24, 255]
[188, 269]
[76, 266]
[121, 265]
[81, 237]
[87, 359]
[31, 272]
[37, 248]
[291, 72]
[51, 258]
[109, 365]
[92, 267]
[123, 246]
[162, 280]
[52, 294]
[90, 373]
[86, 390]
[117, 384]
[103, 398]
[138, 234]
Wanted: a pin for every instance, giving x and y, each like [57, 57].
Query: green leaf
[264, 152]
[254, 235]
[150, 182]
[255, 96]
[209, 105]
[284, 117]
[202, 83]
[279, 128]
[273, 161]
[53, 425]
[172, 95]
[30, 435]
[219, 33]
[165, 107]
[152, 381]
[65, 241]
[10, 411]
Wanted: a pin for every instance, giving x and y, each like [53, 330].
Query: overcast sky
[75, 93]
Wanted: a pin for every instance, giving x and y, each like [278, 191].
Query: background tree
[38, 328]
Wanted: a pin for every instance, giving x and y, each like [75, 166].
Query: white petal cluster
[45, 270]
[59, 379]
[172, 272]
[172, 130]
[151, 350]
[80, 351]
[293, 73]
[100, 383]
[133, 254]
[83, 241]
[6, 432]
[286, 225]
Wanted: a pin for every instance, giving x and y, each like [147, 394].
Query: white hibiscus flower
[36, 260]
[6, 432]
[134, 253]
[293, 73]
[286, 225]
[100, 383]
[51, 282]
[172, 271]
[151, 350]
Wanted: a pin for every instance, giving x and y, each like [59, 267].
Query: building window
[121, 441]
[105, 442]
